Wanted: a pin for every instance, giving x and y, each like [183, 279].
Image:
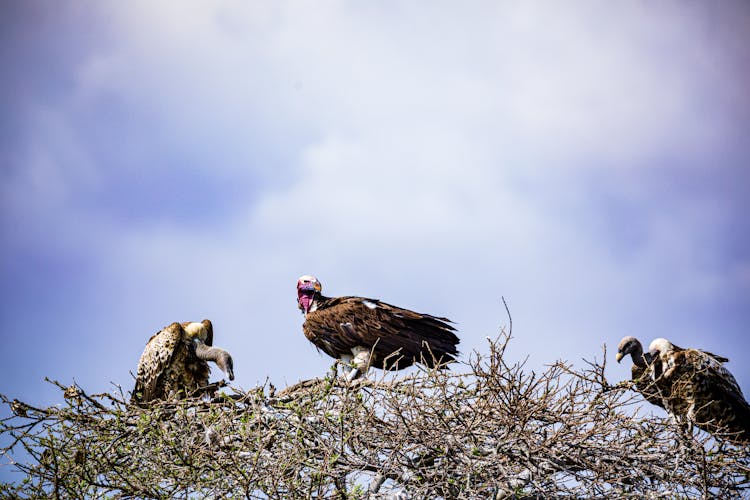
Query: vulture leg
[361, 361]
[350, 372]
[362, 358]
[353, 374]
[219, 356]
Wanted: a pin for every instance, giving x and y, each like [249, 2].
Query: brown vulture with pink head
[698, 390]
[364, 332]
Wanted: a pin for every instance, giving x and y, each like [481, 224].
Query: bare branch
[488, 428]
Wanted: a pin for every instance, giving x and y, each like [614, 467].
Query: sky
[587, 161]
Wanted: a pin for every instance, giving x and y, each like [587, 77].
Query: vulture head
[307, 288]
[660, 351]
[629, 345]
[659, 347]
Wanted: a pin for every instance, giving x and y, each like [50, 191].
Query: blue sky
[587, 161]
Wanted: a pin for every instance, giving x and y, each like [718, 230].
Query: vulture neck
[317, 302]
[639, 359]
[206, 352]
[219, 356]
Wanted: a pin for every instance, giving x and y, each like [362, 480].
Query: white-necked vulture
[367, 332]
[639, 371]
[698, 390]
[175, 362]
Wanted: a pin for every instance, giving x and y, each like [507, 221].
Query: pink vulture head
[307, 287]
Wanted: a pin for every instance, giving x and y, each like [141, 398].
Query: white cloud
[432, 157]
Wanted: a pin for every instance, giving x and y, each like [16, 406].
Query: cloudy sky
[587, 161]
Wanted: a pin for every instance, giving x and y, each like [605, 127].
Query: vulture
[698, 390]
[640, 372]
[364, 332]
[175, 362]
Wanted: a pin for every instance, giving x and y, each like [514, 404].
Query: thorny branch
[485, 429]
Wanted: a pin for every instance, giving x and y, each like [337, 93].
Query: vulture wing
[398, 337]
[700, 388]
[169, 365]
[720, 405]
[157, 357]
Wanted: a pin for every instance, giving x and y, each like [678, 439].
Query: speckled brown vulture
[639, 371]
[367, 332]
[698, 390]
[175, 362]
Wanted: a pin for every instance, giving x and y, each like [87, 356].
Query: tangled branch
[491, 430]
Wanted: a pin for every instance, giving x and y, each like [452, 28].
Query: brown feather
[646, 386]
[398, 337]
[698, 388]
[169, 366]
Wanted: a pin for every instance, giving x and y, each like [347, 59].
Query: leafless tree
[487, 428]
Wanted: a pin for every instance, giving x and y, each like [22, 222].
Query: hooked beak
[619, 356]
[313, 286]
[229, 369]
[224, 361]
